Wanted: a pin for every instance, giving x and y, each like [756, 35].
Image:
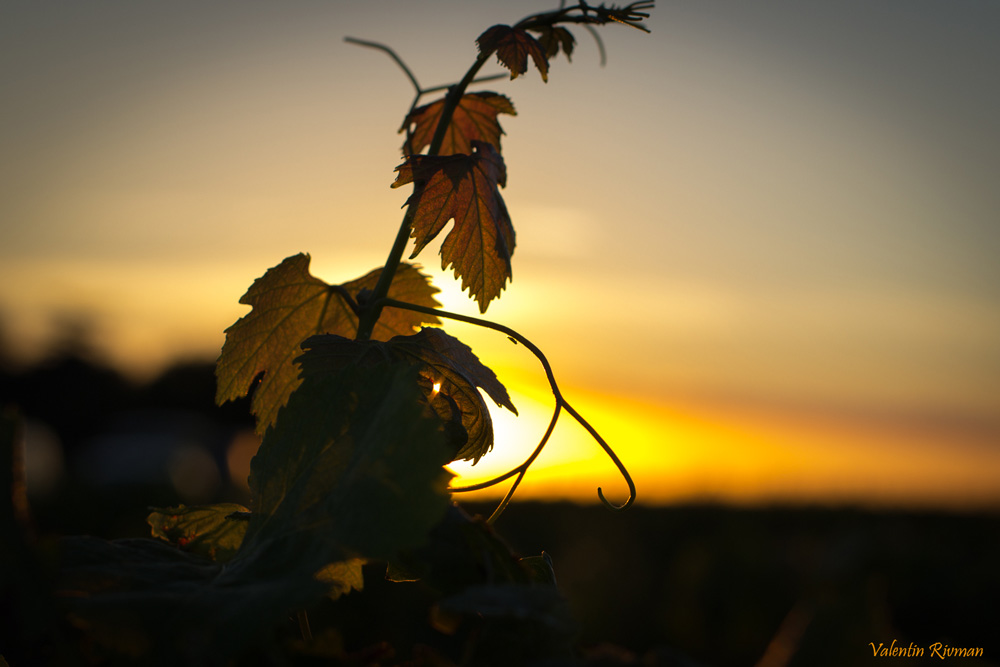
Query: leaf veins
[474, 119]
[464, 188]
[513, 46]
[288, 306]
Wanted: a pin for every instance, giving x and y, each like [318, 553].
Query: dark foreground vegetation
[699, 585]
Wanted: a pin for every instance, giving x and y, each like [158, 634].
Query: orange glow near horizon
[698, 453]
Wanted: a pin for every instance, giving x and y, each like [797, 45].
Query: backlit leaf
[342, 577]
[288, 306]
[464, 188]
[474, 119]
[206, 530]
[450, 365]
[552, 38]
[513, 46]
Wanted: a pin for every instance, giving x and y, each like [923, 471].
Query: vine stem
[630, 15]
[372, 308]
[561, 403]
[392, 54]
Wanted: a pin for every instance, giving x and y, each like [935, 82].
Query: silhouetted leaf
[540, 568]
[514, 623]
[463, 188]
[206, 530]
[449, 376]
[451, 365]
[538, 603]
[474, 119]
[552, 38]
[352, 469]
[289, 305]
[148, 602]
[463, 551]
[513, 46]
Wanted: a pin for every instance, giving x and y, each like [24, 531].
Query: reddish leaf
[474, 119]
[513, 46]
[289, 305]
[552, 38]
[463, 188]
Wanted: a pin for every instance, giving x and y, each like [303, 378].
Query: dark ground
[723, 586]
[719, 584]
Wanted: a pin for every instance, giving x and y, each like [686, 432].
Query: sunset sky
[759, 246]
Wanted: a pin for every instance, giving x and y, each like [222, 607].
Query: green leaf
[513, 46]
[463, 551]
[540, 568]
[148, 602]
[353, 469]
[450, 365]
[449, 376]
[343, 577]
[474, 119]
[288, 306]
[206, 530]
[527, 602]
[514, 623]
[463, 188]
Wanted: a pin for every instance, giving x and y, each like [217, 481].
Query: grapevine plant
[361, 399]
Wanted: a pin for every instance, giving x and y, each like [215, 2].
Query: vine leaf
[450, 365]
[474, 119]
[353, 473]
[449, 376]
[552, 38]
[513, 46]
[206, 530]
[352, 469]
[217, 531]
[342, 577]
[465, 551]
[143, 601]
[463, 188]
[289, 305]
